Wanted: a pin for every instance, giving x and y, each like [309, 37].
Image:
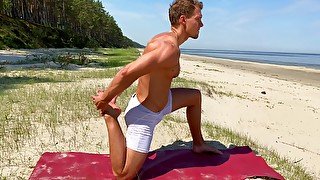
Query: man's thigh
[184, 97]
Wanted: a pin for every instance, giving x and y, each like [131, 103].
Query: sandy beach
[277, 106]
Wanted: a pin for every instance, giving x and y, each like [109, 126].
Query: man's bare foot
[205, 148]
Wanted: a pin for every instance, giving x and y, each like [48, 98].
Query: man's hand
[99, 101]
[106, 108]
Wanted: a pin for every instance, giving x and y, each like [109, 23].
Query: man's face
[194, 23]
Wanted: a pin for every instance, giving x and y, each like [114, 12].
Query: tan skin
[155, 70]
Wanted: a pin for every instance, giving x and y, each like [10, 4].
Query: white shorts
[141, 123]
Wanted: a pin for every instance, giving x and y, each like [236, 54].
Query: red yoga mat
[236, 163]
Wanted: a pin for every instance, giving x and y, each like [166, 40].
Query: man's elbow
[127, 75]
[123, 72]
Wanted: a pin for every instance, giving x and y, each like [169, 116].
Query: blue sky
[263, 25]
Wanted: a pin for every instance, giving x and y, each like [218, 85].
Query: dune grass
[104, 57]
[208, 89]
[34, 101]
[287, 168]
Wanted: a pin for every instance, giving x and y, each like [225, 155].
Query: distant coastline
[304, 75]
[308, 60]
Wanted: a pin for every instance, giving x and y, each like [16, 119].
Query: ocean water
[278, 58]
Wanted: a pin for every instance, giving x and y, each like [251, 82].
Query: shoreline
[277, 106]
[304, 75]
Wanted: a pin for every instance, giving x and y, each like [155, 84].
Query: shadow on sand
[179, 155]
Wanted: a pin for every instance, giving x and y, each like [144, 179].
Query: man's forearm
[119, 83]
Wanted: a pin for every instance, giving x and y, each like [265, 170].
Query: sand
[278, 106]
[285, 118]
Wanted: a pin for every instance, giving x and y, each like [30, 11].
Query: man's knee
[197, 95]
[125, 174]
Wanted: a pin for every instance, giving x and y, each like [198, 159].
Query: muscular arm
[160, 56]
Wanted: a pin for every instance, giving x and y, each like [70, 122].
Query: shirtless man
[154, 98]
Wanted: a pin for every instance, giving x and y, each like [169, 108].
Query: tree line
[87, 20]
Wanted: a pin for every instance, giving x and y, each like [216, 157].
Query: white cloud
[303, 6]
[244, 19]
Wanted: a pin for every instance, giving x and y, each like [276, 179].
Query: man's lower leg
[117, 144]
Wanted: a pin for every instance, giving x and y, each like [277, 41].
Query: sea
[308, 60]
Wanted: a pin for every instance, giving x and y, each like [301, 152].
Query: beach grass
[207, 89]
[284, 166]
[56, 104]
[229, 138]
[116, 57]
[103, 57]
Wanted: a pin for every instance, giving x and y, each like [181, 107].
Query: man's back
[153, 87]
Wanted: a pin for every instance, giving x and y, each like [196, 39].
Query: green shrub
[14, 42]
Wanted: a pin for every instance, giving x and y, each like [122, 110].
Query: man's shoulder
[163, 43]
[163, 39]
[164, 49]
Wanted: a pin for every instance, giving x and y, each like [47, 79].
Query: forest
[59, 23]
